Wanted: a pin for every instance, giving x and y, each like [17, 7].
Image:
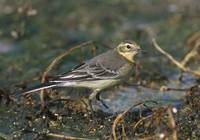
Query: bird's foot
[100, 100]
[104, 104]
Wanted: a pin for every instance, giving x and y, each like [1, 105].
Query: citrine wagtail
[99, 73]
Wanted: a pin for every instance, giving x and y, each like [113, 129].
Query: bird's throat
[128, 56]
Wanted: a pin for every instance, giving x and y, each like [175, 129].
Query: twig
[124, 136]
[54, 62]
[121, 115]
[60, 136]
[168, 55]
[174, 61]
[191, 54]
[172, 123]
[153, 137]
[141, 120]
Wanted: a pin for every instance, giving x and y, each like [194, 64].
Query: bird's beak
[140, 50]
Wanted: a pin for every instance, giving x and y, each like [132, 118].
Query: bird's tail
[39, 87]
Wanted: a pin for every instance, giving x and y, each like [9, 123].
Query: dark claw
[102, 102]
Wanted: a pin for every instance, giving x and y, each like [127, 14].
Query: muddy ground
[34, 33]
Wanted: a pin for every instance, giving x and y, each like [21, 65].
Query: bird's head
[128, 50]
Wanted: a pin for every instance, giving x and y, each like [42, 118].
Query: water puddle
[124, 97]
[5, 47]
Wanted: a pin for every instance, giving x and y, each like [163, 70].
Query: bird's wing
[87, 72]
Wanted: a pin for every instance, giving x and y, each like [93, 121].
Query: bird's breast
[126, 70]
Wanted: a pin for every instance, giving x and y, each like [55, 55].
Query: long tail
[48, 85]
[39, 87]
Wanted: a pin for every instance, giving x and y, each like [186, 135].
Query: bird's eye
[128, 46]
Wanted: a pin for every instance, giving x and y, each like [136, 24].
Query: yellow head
[128, 50]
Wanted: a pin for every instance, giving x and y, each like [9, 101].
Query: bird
[99, 73]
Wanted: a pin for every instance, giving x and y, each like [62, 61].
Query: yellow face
[128, 50]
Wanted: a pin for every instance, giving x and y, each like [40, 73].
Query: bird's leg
[99, 99]
[92, 95]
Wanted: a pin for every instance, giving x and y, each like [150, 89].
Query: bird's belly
[98, 84]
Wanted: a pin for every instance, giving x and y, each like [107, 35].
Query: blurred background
[34, 32]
